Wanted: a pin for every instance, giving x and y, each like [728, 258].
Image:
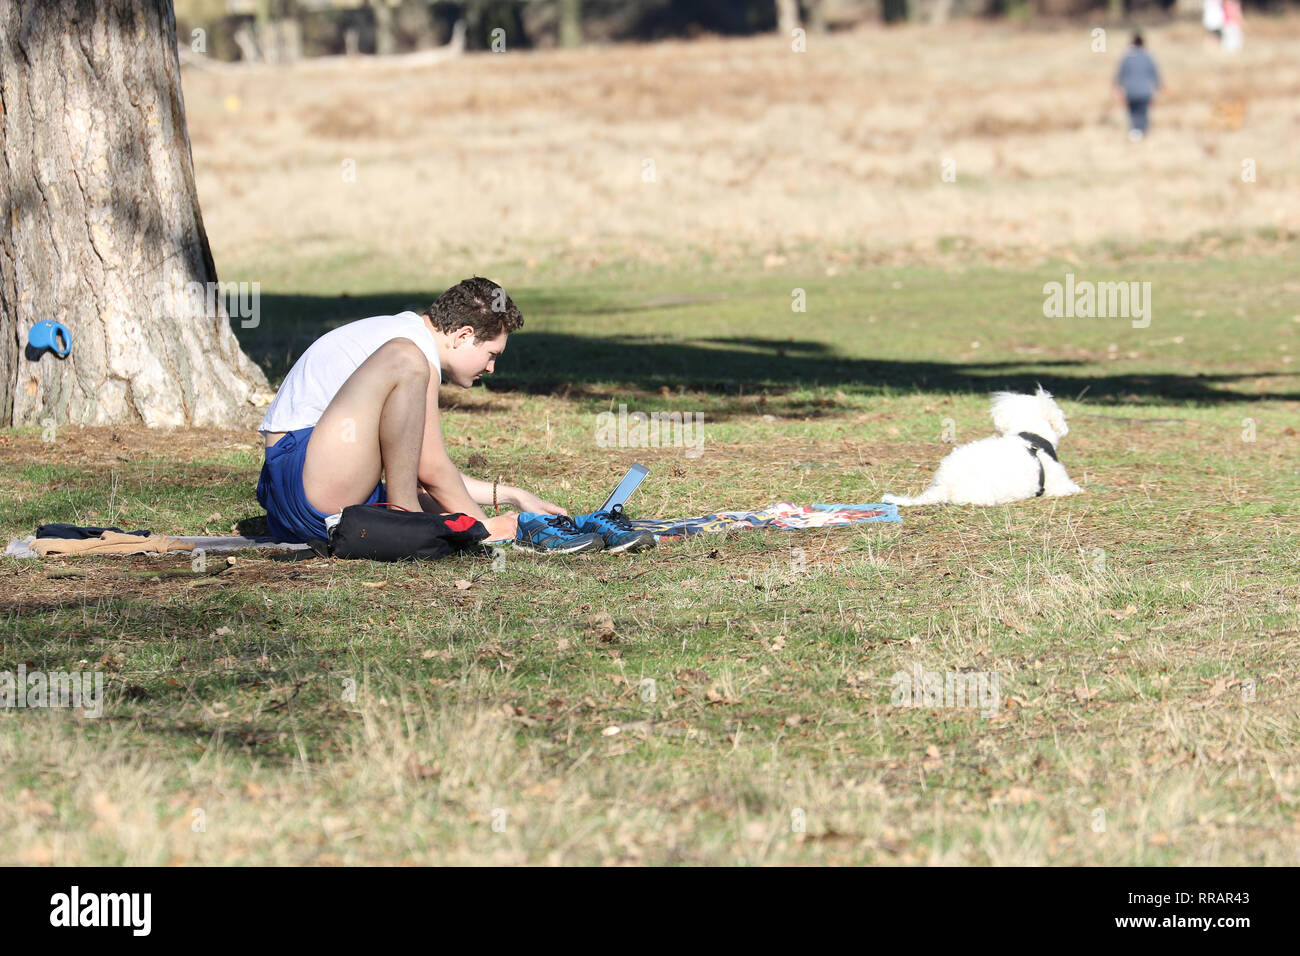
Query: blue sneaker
[554, 534]
[616, 530]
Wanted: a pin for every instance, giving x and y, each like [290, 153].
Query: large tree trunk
[100, 226]
[895, 11]
[816, 16]
[787, 17]
[385, 28]
[570, 23]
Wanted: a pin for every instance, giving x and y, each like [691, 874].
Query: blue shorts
[280, 491]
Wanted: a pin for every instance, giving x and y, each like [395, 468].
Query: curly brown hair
[479, 303]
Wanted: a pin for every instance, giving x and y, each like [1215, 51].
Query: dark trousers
[1137, 113]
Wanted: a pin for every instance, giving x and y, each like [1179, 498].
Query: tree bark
[100, 226]
[570, 23]
[895, 11]
[385, 28]
[816, 16]
[940, 11]
[787, 17]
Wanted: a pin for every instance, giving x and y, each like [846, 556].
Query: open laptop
[623, 490]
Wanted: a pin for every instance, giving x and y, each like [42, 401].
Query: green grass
[345, 712]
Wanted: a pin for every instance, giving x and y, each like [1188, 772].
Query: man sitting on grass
[362, 403]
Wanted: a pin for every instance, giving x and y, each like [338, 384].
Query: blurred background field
[534, 162]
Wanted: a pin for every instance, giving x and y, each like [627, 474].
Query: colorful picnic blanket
[783, 514]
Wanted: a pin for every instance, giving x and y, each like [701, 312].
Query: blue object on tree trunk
[50, 335]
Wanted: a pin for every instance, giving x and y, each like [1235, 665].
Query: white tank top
[321, 371]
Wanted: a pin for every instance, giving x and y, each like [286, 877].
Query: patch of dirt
[91, 446]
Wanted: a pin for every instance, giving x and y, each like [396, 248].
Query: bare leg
[373, 426]
[499, 526]
[430, 504]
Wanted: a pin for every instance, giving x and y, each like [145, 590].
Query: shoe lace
[562, 523]
[616, 517]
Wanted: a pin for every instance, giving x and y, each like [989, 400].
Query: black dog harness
[1038, 443]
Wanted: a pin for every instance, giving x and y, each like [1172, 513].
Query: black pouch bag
[386, 534]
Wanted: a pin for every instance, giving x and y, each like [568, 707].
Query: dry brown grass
[756, 148]
[421, 783]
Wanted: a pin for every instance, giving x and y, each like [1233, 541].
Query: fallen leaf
[105, 809]
[418, 769]
[462, 585]
[35, 854]
[1018, 796]
[1217, 687]
[35, 805]
[1015, 626]
[333, 824]
[716, 695]
[601, 626]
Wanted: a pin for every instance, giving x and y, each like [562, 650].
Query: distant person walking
[1136, 84]
[1232, 26]
[1212, 20]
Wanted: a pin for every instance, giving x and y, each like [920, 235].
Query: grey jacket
[1138, 74]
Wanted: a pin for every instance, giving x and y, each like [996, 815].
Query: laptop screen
[635, 475]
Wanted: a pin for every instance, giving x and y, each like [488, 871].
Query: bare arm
[444, 488]
[514, 497]
[481, 491]
[437, 475]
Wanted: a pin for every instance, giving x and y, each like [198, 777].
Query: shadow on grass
[230, 652]
[581, 366]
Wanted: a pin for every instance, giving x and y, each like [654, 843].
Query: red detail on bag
[463, 523]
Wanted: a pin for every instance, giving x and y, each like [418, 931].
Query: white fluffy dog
[1019, 462]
